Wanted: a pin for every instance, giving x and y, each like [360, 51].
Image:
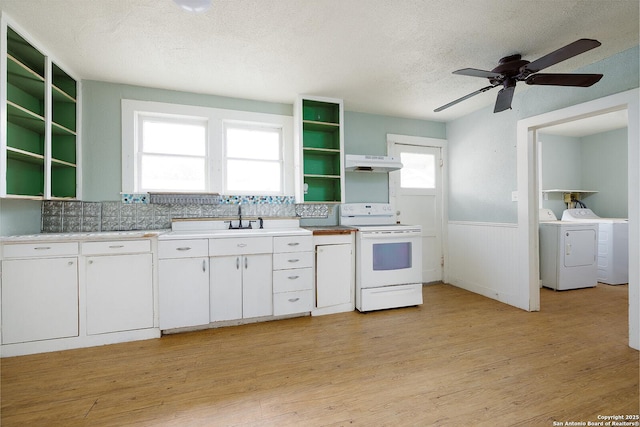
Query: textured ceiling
[391, 57]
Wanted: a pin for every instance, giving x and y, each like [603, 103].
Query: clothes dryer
[613, 244]
[567, 253]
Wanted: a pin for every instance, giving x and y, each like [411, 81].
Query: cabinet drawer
[289, 260]
[292, 243]
[240, 246]
[40, 250]
[183, 248]
[116, 247]
[293, 280]
[292, 302]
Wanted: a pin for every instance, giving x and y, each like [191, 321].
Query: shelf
[40, 144]
[321, 163]
[320, 126]
[64, 83]
[21, 76]
[61, 163]
[320, 137]
[321, 112]
[24, 52]
[61, 96]
[326, 151]
[25, 118]
[321, 176]
[24, 156]
[321, 188]
[57, 129]
[555, 190]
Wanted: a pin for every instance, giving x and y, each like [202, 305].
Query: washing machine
[568, 253]
[613, 244]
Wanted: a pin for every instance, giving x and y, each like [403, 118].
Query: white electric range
[388, 257]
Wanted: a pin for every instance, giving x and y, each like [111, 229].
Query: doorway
[416, 193]
[528, 187]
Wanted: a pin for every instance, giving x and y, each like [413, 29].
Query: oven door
[389, 258]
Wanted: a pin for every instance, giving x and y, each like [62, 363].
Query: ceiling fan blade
[503, 102]
[474, 72]
[582, 80]
[566, 52]
[484, 89]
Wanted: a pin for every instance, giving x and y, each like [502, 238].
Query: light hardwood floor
[458, 360]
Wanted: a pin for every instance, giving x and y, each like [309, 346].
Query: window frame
[216, 119]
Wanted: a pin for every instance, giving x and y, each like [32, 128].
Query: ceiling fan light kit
[512, 69]
[194, 5]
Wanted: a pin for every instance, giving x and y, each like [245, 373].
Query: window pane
[167, 137]
[418, 170]
[172, 173]
[253, 176]
[263, 144]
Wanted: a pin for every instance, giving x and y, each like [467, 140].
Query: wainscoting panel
[482, 258]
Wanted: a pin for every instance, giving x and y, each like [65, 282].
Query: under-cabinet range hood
[366, 163]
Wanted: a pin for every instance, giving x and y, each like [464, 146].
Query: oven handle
[388, 234]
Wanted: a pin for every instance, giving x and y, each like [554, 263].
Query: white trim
[528, 279]
[216, 118]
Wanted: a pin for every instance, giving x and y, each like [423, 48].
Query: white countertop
[103, 235]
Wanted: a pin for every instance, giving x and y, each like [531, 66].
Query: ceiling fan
[512, 69]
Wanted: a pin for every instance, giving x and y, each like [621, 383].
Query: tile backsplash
[78, 216]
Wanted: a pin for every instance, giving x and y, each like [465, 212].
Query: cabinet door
[39, 299]
[257, 286]
[119, 293]
[183, 292]
[225, 288]
[333, 274]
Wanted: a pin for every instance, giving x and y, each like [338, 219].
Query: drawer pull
[184, 248]
[294, 244]
[294, 260]
[204, 265]
[294, 299]
[293, 277]
[242, 245]
[42, 248]
[116, 246]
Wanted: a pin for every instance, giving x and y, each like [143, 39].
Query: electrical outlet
[514, 196]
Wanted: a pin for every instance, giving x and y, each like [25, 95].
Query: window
[181, 148]
[253, 159]
[418, 170]
[172, 154]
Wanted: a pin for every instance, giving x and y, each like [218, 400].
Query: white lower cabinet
[240, 283]
[119, 290]
[57, 295]
[292, 275]
[183, 276]
[335, 273]
[39, 299]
